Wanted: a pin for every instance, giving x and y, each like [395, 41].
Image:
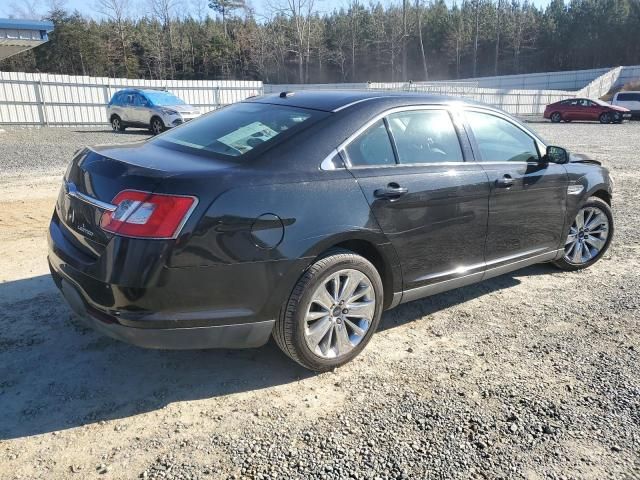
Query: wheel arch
[383, 258]
[602, 194]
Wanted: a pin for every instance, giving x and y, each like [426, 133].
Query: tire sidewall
[556, 117]
[298, 317]
[606, 209]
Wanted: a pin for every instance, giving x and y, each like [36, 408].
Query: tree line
[294, 43]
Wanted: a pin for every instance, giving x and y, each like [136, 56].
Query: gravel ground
[530, 375]
[41, 151]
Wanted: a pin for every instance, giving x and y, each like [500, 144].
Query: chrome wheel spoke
[315, 315]
[595, 242]
[595, 221]
[360, 293]
[343, 345]
[577, 253]
[339, 314]
[324, 347]
[362, 309]
[318, 331]
[571, 239]
[356, 329]
[351, 283]
[588, 235]
[324, 298]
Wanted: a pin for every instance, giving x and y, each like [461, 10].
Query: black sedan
[305, 215]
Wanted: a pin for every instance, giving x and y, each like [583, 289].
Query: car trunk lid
[97, 175]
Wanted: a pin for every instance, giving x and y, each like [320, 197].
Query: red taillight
[147, 215]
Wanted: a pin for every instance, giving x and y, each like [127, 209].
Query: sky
[87, 7]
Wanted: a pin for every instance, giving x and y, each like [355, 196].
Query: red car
[585, 109]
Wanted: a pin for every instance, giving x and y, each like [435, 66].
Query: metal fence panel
[45, 99]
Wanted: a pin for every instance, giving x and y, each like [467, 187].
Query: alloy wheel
[156, 127]
[587, 236]
[115, 124]
[340, 313]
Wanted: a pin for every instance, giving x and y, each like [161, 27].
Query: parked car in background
[304, 216]
[630, 100]
[152, 109]
[585, 109]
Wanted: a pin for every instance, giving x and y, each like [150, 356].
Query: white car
[156, 110]
[630, 100]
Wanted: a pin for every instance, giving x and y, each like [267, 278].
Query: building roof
[16, 36]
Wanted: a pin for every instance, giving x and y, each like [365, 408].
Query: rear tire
[605, 118]
[588, 237]
[116, 124]
[320, 337]
[556, 117]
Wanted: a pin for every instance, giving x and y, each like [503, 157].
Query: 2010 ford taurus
[304, 216]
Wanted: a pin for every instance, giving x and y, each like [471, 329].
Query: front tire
[332, 313]
[589, 236]
[156, 127]
[605, 118]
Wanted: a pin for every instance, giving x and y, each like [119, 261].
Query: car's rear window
[239, 129]
[629, 97]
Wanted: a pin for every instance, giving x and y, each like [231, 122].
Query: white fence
[568, 80]
[43, 99]
[522, 102]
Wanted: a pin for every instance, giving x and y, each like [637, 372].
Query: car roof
[335, 100]
[143, 90]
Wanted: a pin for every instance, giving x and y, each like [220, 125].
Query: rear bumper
[243, 335]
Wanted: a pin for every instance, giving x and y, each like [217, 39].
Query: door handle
[505, 182]
[392, 191]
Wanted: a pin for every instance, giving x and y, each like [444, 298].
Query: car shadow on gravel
[56, 373]
[409, 312]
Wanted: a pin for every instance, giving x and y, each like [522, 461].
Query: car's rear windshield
[163, 99]
[238, 129]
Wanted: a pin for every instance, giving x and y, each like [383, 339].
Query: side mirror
[556, 155]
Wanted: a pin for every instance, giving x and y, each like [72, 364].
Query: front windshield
[163, 99]
[600, 102]
[238, 129]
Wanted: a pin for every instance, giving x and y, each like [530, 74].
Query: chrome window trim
[354, 103]
[327, 163]
[407, 108]
[542, 147]
[453, 109]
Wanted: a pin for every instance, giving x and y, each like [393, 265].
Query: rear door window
[425, 136]
[139, 101]
[239, 129]
[372, 147]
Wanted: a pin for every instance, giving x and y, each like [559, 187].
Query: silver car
[152, 109]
